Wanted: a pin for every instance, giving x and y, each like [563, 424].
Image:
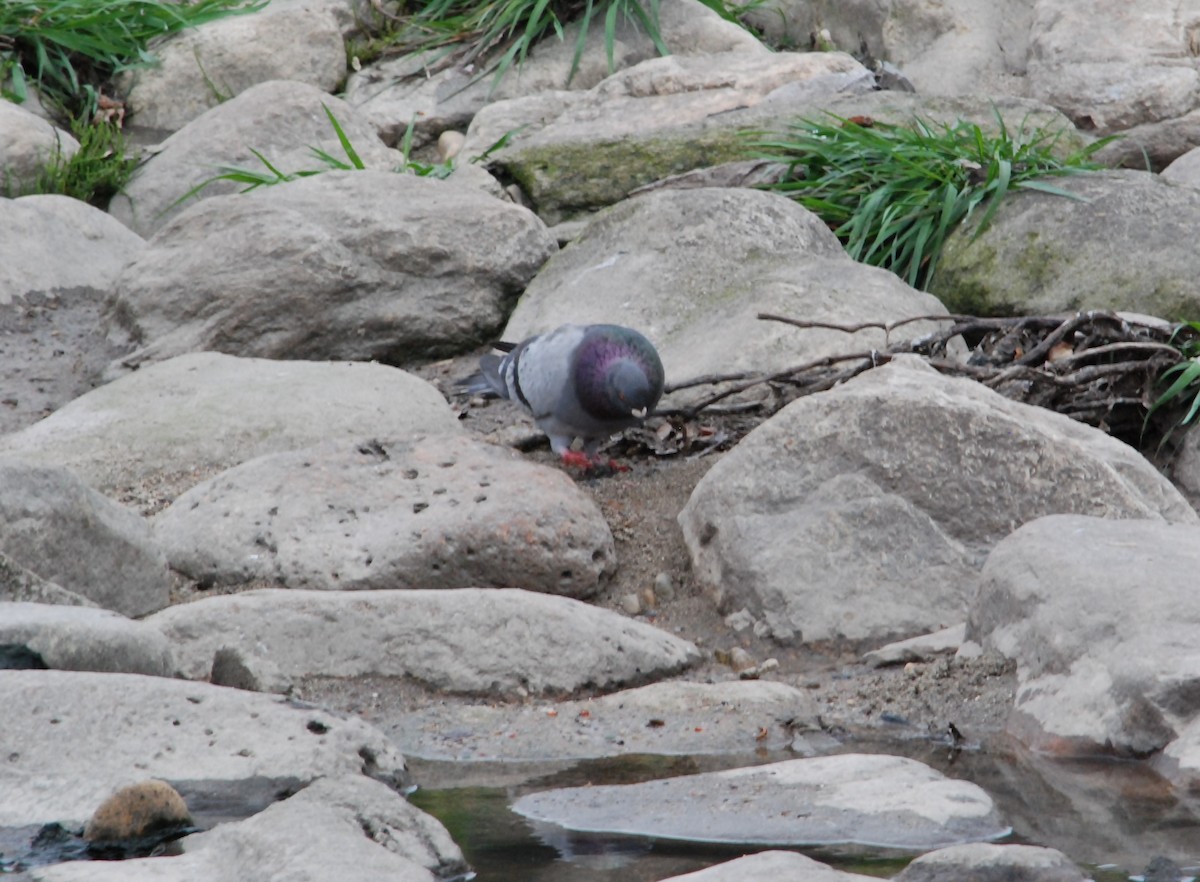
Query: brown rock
[137, 810]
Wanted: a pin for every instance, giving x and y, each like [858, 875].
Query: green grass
[71, 48]
[1183, 390]
[267, 174]
[96, 172]
[493, 35]
[893, 194]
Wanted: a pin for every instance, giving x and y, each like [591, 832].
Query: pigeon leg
[591, 463]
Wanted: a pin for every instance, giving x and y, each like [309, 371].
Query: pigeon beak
[639, 412]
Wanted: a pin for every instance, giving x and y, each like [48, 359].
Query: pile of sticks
[1099, 367]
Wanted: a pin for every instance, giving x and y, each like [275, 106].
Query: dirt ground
[641, 506]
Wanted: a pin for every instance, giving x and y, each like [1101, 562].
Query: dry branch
[1099, 367]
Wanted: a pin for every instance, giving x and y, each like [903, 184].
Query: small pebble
[631, 605]
[740, 660]
[664, 587]
[740, 620]
[449, 144]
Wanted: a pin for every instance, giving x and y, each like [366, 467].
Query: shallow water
[1112, 817]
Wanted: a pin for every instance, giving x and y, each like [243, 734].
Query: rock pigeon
[579, 381]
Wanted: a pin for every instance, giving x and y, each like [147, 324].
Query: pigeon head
[618, 374]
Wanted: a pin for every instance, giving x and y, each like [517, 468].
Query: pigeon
[578, 381]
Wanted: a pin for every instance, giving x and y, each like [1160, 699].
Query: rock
[58, 527]
[183, 419]
[1096, 672]
[442, 512]
[137, 810]
[670, 718]
[1185, 170]
[355, 265]
[72, 738]
[201, 67]
[56, 245]
[959, 47]
[1113, 66]
[80, 638]
[984, 862]
[18, 584]
[920, 649]
[697, 292]
[864, 512]
[396, 92]
[876, 800]
[283, 120]
[241, 670]
[58, 259]
[28, 144]
[767, 866]
[579, 151]
[496, 641]
[333, 823]
[740, 660]
[1044, 254]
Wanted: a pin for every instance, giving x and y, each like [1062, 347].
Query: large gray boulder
[443, 512]
[21, 585]
[56, 245]
[768, 866]
[573, 152]
[696, 290]
[72, 738]
[28, 144]
[668, 718]
[474, 640]
[987, 862]
[80, 638]
[58, 259]
[54, 524]
[345, 265]
[199, 68]
[1101, 626]
[180, 420]
[396, 92]
[332, 824]
[282, 119]
[1113, 66]
[1043, 253]
[876, 800]
[864, 512]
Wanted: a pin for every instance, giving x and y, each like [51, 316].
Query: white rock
[64, 531]
[354, 265]
[882, 801]
[442, 512]
[668, 718]
[769, 866]
[72, 738]
[281, 119]
[28, 144]
[333, 824]
[501, 640]
[189, 416]
[200, 67]
[79, 638]
[1101, 628]
[864, 512]
[696, 291]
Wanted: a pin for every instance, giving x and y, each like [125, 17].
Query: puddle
[1113, 818]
